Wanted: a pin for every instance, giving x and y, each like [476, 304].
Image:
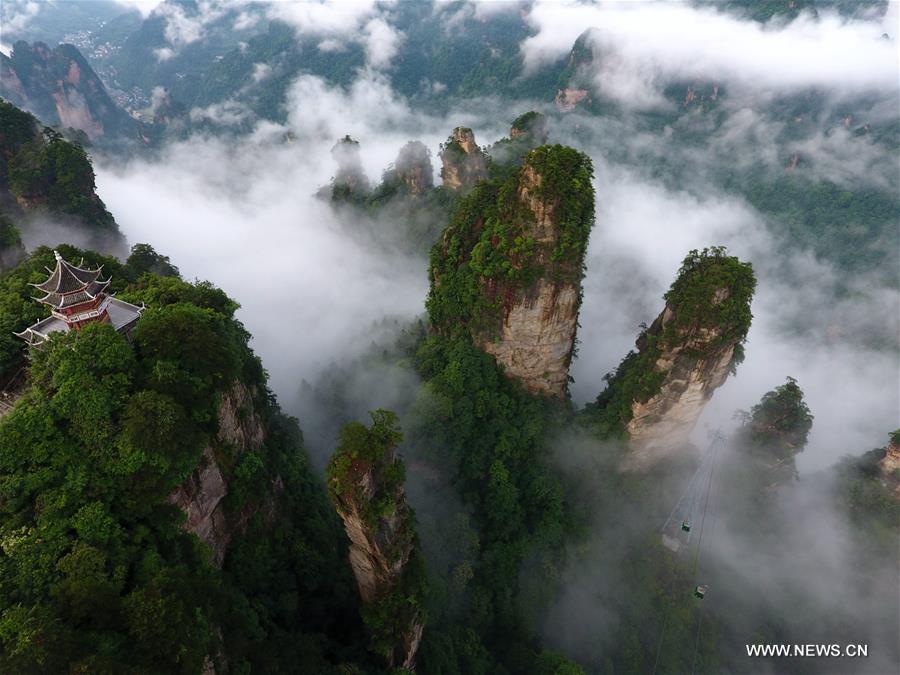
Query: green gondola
[700, 592]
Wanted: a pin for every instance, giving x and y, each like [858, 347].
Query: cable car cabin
[686, 525]
[700, 592]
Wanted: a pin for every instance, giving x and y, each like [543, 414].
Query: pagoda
[76, 297]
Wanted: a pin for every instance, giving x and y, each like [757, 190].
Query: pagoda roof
[68, 278]
[85, 294]
[120, 314]
[37, 333]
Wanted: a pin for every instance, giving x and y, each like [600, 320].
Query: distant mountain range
[58, 86]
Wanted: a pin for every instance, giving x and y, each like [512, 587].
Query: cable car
[700, 591]
[686, 525]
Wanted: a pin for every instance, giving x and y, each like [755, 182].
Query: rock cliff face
[692, 369]
[202, 494]
[657, 394]
[568, 99]
[891, 460]
[365, 480]
[514, 252]
[60, 88]
[538, 328]
[412, 168]
[537, 338]
[531, 125]
[463, 162]
[350, 180]
[889, 465]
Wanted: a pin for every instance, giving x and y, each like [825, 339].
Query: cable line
[716, 440]
[709, 458]
[712, 530]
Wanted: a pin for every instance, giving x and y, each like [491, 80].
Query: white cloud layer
[15, 16]
[308, 290]
[145, 7]
[339, 23]
[242, 214]
[644, 45]
[800, 328]
[324, 18]
[183, 28]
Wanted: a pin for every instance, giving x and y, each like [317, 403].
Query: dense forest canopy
[97, 573]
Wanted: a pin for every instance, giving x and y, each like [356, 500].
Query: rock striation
[366, 484]
[60, 88]
[508, 269]
[463, 162]
[658, 392]
[693, 369]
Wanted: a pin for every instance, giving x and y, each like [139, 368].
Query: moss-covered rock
[657, 393]
[366, 484]
[508, 268]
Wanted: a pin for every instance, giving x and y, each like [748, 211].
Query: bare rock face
[664, 422]
[60, 88]
[413, 168]
[201, 495]
[522, 250]
[537, 338]
[891, 460]
[568, 99]
[890, 464]
[657, 393]
[365, 481]
[538, 330]
[463, 162]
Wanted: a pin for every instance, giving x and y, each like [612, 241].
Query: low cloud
[315, 287]
[145, 7]
[228, 113]
[307, 288]
[242, 213]
[340, 23]
[803, 325]
[643, 46]
[16, 15]
[382, 43]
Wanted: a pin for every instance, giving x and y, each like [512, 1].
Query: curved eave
[30, 336]
[69, 277]
[61, 303]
